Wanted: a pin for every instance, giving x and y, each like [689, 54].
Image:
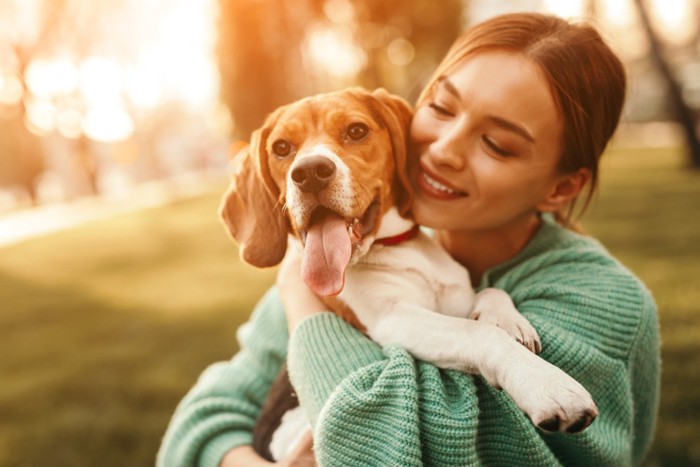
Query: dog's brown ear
[397, 114]
[250, 212]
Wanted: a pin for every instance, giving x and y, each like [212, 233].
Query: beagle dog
[329, 174]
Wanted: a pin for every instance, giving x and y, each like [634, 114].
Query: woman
[507, 136]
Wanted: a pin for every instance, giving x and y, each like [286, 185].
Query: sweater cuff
[323, 351]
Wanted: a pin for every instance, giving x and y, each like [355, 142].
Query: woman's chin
[426, 213]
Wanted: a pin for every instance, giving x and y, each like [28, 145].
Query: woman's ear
[566, 189]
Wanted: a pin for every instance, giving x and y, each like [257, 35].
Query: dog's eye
[356, 131]
[282, 148]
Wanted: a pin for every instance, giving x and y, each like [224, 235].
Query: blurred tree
[272, 52]
[21, 158]
[72, 28]
[21, 161]
[259, 56]
[681, 110]
[413, 37]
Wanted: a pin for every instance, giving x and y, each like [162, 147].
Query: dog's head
[325, 169]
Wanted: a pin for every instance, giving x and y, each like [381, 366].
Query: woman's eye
[438, 109]
[495, 147]
[357, 131]
[282, 148]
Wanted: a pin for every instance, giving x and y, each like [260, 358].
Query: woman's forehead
[506, 84]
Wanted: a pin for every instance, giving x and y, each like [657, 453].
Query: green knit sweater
[379, 407]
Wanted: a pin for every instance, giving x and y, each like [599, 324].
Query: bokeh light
[137, 66]
[565, 9]
[334, 50]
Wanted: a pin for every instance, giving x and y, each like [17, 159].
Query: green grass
[648, 215]
[105, 327]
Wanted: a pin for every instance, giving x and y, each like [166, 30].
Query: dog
[329, 175]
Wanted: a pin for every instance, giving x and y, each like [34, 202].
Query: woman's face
[488, 145]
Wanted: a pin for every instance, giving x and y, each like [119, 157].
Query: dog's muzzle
[312, 174]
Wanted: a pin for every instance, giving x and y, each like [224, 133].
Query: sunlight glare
[334, 50]
[564, 9]
[165, 54]
[620, 21]
[68, 123]
[674, 19]
[46, 78]
[41, 116]
[400, 52]
[102, 84]
[143, 87]
[670, 11]
[618, 12]
[108, 124]
[11, 91]
[101, 80]
[182, 58]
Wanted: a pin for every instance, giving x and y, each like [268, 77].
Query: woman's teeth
[437, 185]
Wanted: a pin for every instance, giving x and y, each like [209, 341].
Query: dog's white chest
[292, 427]
[417, 273]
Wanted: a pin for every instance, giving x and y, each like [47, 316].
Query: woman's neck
[481, 250]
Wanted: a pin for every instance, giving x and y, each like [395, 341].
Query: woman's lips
[435, 187]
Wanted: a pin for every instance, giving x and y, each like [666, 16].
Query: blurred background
[118, 286]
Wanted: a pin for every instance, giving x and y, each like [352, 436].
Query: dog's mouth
[329, 243]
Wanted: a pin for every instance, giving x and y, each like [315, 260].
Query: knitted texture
[380, 407]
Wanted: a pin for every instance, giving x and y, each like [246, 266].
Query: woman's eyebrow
[514, 127]
[448, 86]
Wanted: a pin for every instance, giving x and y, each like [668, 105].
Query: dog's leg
[280, 399]
[494, 306]
[551, 398]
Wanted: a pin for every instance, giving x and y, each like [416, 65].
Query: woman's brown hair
[586, 80]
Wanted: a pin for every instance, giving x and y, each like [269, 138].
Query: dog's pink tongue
[326, 255]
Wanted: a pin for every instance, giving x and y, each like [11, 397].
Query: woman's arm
[220, 411]
[373, 406]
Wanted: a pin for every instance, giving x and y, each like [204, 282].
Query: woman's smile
[435, 187]
[488, 144]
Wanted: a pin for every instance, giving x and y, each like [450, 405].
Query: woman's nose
[449, 149]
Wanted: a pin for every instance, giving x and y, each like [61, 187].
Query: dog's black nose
[312, 174]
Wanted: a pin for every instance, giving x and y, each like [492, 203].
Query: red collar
[402, 237]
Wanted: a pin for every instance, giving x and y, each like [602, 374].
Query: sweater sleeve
[220, 411]
[372, 406]
[598, 323]
[376, 407]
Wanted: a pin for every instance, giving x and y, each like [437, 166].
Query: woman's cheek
[420, 127]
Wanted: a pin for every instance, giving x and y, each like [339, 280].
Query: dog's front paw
[570, 411]
[515, 324]
[552, 399]
[494, 306]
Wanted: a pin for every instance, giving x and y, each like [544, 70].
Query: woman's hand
[302, 455]
[242, 456]
[298, 300]
[245, 456]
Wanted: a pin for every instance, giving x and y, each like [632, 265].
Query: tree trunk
[680, 108]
